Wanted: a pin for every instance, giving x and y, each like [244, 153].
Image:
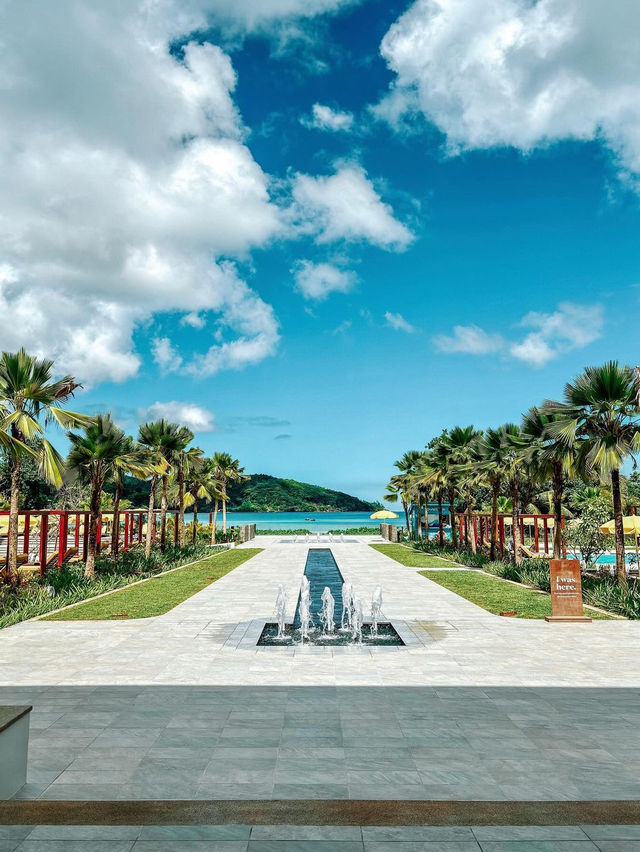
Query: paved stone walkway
[309, 838]
[186, 706]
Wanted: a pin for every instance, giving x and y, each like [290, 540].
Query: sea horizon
[323, 521]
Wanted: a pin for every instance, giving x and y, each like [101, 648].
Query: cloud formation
[119, 165]
[567, 328]
[184, 413]
[325, 118]
[346, 206]
[399, 323]
[317, 280]
[519, 73]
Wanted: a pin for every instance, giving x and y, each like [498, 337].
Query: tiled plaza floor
[185, 706]
[286, 838]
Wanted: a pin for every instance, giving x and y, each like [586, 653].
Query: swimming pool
[610, 559]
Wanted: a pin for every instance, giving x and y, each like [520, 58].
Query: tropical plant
[401, 483]
[462, 444]
[549, 458]
[97, 453]
[226, 470]
[598, 420]
[30, 398]
[584, 535]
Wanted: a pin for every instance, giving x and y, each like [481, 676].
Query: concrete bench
[14, 744]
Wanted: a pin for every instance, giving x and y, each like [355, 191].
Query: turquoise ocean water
[296, 520]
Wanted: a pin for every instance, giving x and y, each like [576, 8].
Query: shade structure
[630, 525]
[529, 521]
[382, 515]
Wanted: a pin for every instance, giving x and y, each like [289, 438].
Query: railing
[536, 530]
[55, 536]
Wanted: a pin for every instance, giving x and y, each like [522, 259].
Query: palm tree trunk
[621, 568]
[406, 515]
[115, 532]
[152, 492]
[495, 490]
[194, 532]
[163, 513]
[419, 517]
[440, 520]
[515, 522]
[470, 530]
[224, 516]
[214, 526]
[181, 503]
[94, 519]
[452, 517]
[557, 510]
[14, 507]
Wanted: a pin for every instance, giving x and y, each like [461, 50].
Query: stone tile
[85, 832]
[187, 833]
[305, 846]
[529, 832]
[427, 833]
[612, 832]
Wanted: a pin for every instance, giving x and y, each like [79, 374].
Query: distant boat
[310, 519]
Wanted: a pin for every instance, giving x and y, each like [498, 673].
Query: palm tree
[550, 459]
[150, 436]
[401, 482]
[226, 470]
[598, 419]
[201, 484]
[493, 465]
[28, 393]
[134, 462]
[97, 453]
[462, 446]
[185, 460]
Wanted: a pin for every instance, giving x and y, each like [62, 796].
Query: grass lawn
[160, 594]
[496, 595]
[412, 558]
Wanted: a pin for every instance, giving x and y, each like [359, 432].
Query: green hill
[263, 493]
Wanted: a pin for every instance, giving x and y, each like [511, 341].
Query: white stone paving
[210, 638]
[186, 706]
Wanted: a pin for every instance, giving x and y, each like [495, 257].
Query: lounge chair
[22, 558]
[531, 554]
[69, 555]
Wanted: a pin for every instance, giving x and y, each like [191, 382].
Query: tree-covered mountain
[263, 493]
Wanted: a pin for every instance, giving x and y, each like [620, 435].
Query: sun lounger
[70, 553]
[531, 554]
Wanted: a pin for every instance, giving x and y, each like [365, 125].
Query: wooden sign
[566, 591]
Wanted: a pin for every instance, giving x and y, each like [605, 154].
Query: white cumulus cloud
[520, 73]
[569, 327]
[346, 206]
[325, 118]
[469, 338]
[123, 176]
[184, 413]
[399, 323]
[317, 280]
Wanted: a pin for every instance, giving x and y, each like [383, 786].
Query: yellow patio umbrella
[630, 526]
[382, 515]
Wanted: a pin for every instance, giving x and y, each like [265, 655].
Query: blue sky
[322, 235]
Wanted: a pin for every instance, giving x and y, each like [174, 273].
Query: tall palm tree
[201, 484]
[134, 462]
[551, 459]
[401, 482]
[493, 464]
[97, 453]
[29, 399]
[151, 436]
[599, 419]
[185, 460]
[227, 470]
[462, 446]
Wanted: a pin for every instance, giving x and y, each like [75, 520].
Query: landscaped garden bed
[58, 588]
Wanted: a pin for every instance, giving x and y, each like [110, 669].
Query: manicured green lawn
[496, 595]
[160, 594]
[412, 558]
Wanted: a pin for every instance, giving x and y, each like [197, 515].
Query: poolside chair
[69, 555]
[22, 558]
[531, 554]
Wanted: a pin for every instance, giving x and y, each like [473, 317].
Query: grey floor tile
[305, 846]
[76, 846]
[421, 846]
[528, 832]
[618, 845]
[612, 832]
[186, 833]
[538, 846]
[417, 832]
[307, 832]
[190, 846]
[85, 832]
